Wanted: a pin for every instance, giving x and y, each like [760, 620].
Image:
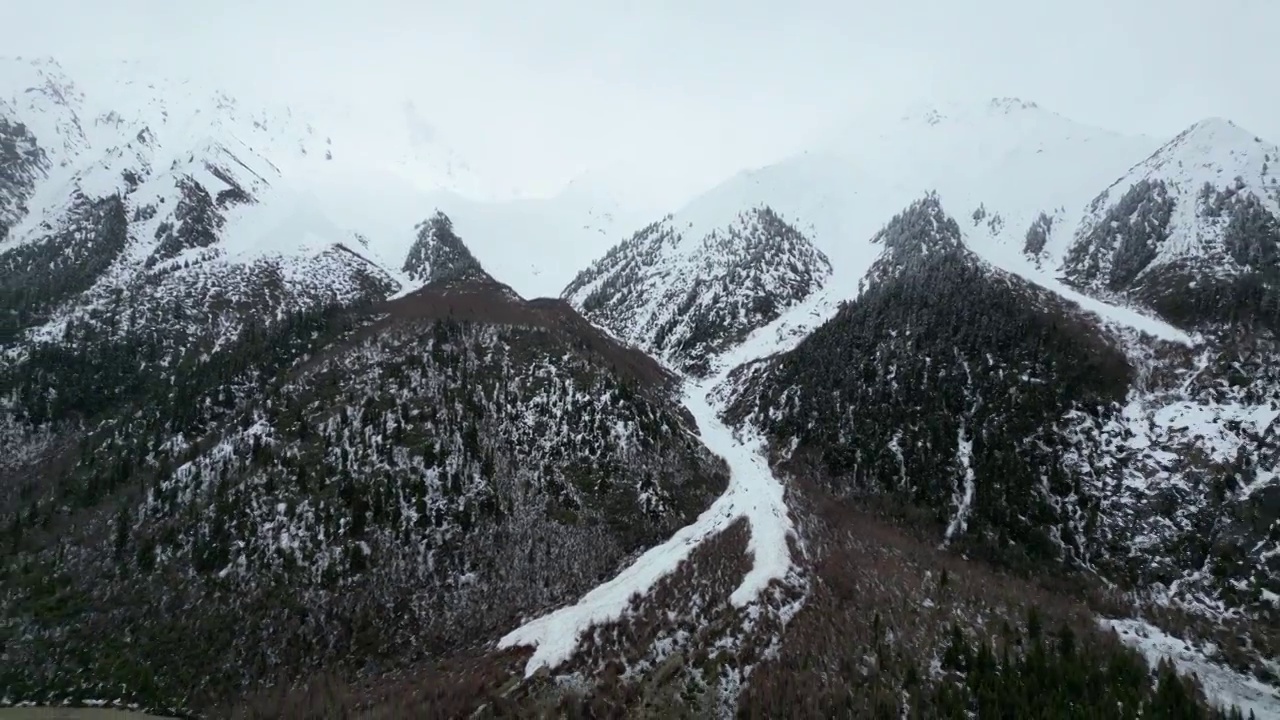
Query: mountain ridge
[224, 413]
[686, 298]
[923, 270]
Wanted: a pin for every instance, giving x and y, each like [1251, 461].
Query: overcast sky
[685, 92]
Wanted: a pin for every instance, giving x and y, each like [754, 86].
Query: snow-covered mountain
[1012, 169]
[1069, 427]
[206, 183]
[287, 186]
[1193, 231]
[1003, 161]
[1179, 204]
[250, 395]
[687, 299]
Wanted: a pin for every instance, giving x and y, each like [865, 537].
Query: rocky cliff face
[688, 299]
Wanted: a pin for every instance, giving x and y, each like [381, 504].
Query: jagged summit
[439, 255]
[949, 112]
[920, 234]
[685, 297]
[1204, 207]
[1218, 131]
[1212, 150]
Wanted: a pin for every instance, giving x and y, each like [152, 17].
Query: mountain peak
[1204, 206]
[919, 234]
[1214, 139]
[439, 254]
[1006, 105]
[687, 295]
[921, 228]
[939, 113]
[1215, 126]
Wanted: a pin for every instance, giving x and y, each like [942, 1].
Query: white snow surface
[537, 245]
[964, 499]
[753, 493]
[1221, 684]
[1215, 152]
[1007, 156]
[1110, 314]
[311, 188]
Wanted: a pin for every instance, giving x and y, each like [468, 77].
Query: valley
[978, 417]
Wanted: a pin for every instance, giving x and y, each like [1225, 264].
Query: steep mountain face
[997, 165]
[912, 393]
[214, 424]
[439, 255]
[1000, 418]
[436, 469]
[1193, 231]
[153, 188]
[152, 231]
[686, 300]
[23, 162]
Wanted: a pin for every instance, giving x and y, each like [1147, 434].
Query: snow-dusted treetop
[439, 255]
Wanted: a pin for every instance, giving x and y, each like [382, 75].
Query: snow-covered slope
[687, 298]
[287, 186]
[1005, 160]
[754, 492]
[1206, 203]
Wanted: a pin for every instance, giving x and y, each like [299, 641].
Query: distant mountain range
[905, 424]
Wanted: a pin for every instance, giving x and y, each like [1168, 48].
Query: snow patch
[964, 453]
[1221, 684]
[753, 493]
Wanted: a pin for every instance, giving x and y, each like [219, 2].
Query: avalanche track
[753, 493]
